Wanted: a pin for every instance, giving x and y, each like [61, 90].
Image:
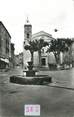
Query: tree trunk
[57, 57]
[32, 56]
[39, 52]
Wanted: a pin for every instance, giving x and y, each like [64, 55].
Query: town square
[37, 58]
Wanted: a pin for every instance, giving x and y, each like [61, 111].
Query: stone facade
[19, 60]
[72, 48]
[37, 36]
[44, 56]
[12, 61]
[5, 47]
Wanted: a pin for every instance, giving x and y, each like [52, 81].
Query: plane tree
[59, 45]
[36, 45]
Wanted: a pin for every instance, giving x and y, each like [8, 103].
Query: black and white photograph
[36, 58]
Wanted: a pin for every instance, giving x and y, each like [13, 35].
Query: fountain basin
[36, 80]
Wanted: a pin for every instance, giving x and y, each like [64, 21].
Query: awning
[2, 59]
[5, 60]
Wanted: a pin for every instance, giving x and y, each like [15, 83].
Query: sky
[44, 15]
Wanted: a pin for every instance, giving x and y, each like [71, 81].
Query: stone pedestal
[30, 73]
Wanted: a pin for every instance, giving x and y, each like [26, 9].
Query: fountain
[31, 78]
[30, 72]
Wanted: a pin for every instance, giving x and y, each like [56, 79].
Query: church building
[46, 58]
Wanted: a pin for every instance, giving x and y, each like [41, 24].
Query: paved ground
[56, 99]
[62, 78]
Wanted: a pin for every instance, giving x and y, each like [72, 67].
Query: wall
[5, 51]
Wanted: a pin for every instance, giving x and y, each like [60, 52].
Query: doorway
[43, 61]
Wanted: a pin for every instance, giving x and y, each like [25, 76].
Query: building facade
[19, 60]
[72, 49]
[5, 47]
[44, 59]
[12, 59]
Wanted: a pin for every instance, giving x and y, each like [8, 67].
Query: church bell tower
[27, 38]
[27, 31]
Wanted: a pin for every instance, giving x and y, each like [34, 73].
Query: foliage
[59, 45]
[35, 45]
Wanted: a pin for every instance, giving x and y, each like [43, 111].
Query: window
[7, 46]
[27, 35]
[0, 41]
